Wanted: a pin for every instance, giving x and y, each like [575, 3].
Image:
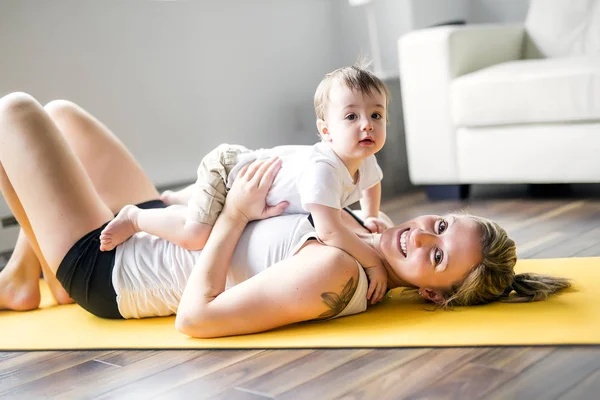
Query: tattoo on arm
[337, 302]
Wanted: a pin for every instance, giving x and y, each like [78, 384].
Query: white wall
[174, 79]
[396, 17]
[426, 13]
[393, 19]
[498, 11]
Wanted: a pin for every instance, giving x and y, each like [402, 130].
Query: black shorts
[86, 272]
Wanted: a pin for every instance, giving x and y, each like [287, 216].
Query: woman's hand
[247, 197]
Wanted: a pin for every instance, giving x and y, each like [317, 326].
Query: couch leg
[551, 190]
[447, 192]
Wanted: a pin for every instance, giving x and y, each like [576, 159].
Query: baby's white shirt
[312, 174]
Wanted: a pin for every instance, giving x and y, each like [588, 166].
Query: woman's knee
[62, 109]
[18, 102]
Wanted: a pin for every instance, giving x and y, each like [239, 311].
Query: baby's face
[355, 122]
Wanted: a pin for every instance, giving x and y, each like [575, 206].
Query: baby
[351, 105]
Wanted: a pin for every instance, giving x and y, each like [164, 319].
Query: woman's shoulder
[331, 259]
[342, 283]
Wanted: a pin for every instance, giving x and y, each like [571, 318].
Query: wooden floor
[542, 228]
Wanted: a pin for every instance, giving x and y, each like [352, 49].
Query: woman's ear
[322, 127]
[432, 295]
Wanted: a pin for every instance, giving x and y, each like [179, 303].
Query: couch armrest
[428, 60]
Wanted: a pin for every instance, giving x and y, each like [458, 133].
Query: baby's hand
[375, 225]
[377, 283]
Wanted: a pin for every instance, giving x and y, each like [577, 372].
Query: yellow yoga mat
[572, 317]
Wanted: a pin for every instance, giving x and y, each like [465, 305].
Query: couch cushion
[559, 28]
[529, 91]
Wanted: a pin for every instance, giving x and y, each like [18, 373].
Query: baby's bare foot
[19, 290]
[167, 197]
[119, 229]
[170, 198]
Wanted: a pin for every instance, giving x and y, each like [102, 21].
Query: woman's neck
[372, 239]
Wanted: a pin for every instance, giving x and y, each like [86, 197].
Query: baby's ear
[323, 131]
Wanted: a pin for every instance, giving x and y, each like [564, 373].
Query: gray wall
[393, 20]
[174, 79]
[498, 11]
[396, 17]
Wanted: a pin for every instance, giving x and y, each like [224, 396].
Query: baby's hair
[355, 77]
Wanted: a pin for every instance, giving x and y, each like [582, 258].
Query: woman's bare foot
[19, 287]
[119, 229]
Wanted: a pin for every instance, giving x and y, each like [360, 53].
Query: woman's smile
[402, 242]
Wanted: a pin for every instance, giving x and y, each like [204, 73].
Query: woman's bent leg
[114, 172]
[19, 287]
[45, 185]
[24, 256]
[23, 268]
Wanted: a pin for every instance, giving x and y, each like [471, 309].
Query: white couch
[504, 103]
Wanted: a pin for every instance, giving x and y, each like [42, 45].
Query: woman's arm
[318, 281]
[246, 201]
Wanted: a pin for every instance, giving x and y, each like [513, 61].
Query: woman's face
[432, 252]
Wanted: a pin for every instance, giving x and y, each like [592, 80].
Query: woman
[65, 175]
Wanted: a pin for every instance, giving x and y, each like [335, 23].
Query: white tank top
[150, 273]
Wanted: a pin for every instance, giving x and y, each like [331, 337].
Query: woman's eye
[438, 257]
[351, 117]
[376, 116]
[442, 226]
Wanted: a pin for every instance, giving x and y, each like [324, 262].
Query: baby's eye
[376, 116]
[351, 117]
[442, 226]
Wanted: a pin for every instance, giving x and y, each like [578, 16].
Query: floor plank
[133, 366]
[584, 389]
[355, 373]
[408, 378]
[180, 374]
[476, 378]
[552, 376]
[31, 366]
[53, 385]
[300, 371]
[235, 375]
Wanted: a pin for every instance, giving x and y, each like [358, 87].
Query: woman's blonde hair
[494, 279]
[357, 78]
